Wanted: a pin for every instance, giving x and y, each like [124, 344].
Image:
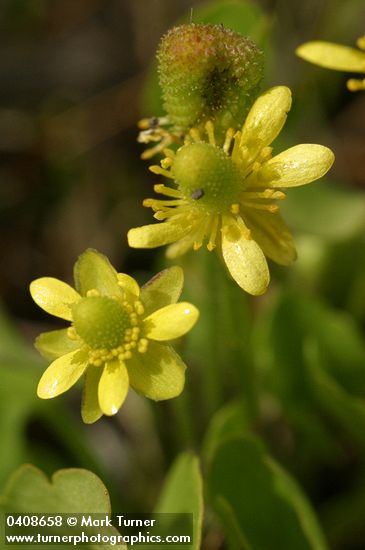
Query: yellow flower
[227, 194]
[117, 336]
[337, 57]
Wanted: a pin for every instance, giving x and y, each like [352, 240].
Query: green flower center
[208, 176]
[101, 322]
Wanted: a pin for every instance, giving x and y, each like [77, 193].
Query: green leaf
[302, 393]
[230, 421]
[295, 319]
[70, 491]
[18, 401]
[347, 409]
[182, 493]
[268, 505]
[235, 537]
[326, 210]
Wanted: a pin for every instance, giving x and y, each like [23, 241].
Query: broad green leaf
[235, 538]
[342, 527]
[339, 339]
[230, 421]
[268, 505]
[182, 493]
[70, 491]
[326, 210]
[20, 370]
[294, 321]
[347, 409]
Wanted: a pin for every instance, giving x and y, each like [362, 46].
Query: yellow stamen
[259, 206]
[144, 124]
[354, 84]
[152, 123]
[178, 212]
[166, 162]
[228, 140]
[156, 204]
[361, 42]
[201, 233]
[161, 171]
[246, 233]
[213, 233]
[138, 306]
[92, 292]
[237, 148]
[169, 153]
[162, 215]
[168, 191]
[71, 333]
[165, 142]
[209, 127]
[278, 195]
[265, 154]
[267, 194]
[195, 134]
[235, 208]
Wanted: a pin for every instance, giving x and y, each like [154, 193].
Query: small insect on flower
[337, 57]
[228, 194]
[118, 335]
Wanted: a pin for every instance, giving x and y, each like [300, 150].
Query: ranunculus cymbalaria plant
[118, 335]
[225, 181]
[337, 57]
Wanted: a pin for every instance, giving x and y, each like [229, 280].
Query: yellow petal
[55, 343]
[333, 56]
[128, 283]
[157, 234]
[63, 373]
[94, 271]
[245, 261]
[171, 321]
[266, 117]
[54, 296]
[90, 409]
[158, 374]
[163, 289]
[272, 235]
[296, 166]
[182, 246]
[113, 387]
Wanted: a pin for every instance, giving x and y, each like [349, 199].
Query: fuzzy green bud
[208, 72]
[100, 321]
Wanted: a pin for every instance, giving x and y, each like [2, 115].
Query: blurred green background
[288, 367]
